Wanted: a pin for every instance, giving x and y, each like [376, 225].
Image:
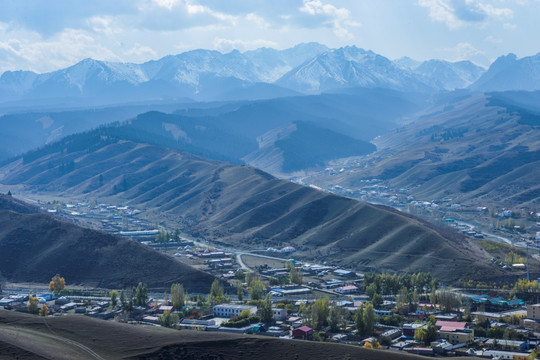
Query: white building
[230, 310]
[279, 314]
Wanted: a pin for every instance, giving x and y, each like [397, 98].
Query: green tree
[320, 311]
[371, 290]
[216, 293]
[385, 341]
[33, 303]
[141, 295]
[256, 290]
[359, 320]
[240, 292]
[336, 318]
[177, 295]
[176, 235]
[377, 301]
[114, 297]
[295, 275]
[168, 319]
[123, 302]
[369, 319]
[250, 276]
[265, 310]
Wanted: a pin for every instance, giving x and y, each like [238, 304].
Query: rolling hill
[23, 336]
[244, 207]
[35, 246]
[475, 149]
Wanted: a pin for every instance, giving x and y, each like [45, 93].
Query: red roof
[304, 329]
[451, 325]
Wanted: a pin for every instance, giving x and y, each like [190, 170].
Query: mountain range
[243, 207]
[263, 73]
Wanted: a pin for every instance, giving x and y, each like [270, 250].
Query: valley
[307, 193]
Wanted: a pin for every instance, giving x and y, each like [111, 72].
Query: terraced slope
[35, 246]
[245, 207]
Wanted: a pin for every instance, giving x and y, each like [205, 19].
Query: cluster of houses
[454, 336]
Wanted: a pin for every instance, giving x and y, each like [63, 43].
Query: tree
[141, 295]
[33, 303]
[369, 319]
[168, 319]
[123, 299]
[250, 276]
[320, 310]
[256, 290]
[427, 334]
[371, 290]
[176, 235]
[114, 297]
[377, 301]
[44, 310]
[359, 320]
[57, 284]
[335, 318]
[216, 293]
[177, 295]
[265, 310]
[9, 193]
[240, 292]
[385, 340]
[295, 275]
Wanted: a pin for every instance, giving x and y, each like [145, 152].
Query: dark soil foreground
[24, 336]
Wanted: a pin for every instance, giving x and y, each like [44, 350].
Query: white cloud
[458, 13]
[167, 4]
[226, 45]
[338, 18]
[63, 50]
[141, 51]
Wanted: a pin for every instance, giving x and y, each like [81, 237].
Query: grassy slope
[245, 207]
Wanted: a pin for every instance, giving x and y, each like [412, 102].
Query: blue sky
[47, 35]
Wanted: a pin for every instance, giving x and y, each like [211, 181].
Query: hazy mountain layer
[35, 246]
[510, 73]
[482, 150]
[210, 75]
[245, 207]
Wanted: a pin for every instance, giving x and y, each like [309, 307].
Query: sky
[46, 35]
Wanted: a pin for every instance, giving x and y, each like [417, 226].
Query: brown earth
[87, 338]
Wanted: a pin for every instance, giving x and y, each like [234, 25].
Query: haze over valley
[170, 189]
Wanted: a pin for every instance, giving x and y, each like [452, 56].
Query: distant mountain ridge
[510, 73]
[211, 75]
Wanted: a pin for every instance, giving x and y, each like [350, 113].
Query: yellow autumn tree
[57, 283]
[33, 304]
[44, 311]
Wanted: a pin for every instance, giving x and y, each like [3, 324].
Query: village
[270, 293]
[301, 301]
